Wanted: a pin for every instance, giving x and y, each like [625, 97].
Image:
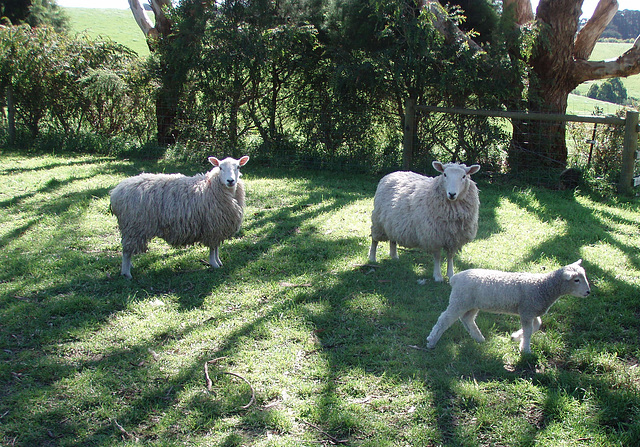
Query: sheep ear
[578, 262]
[243, 161]
[214, 161]
[437, 166]
[473, 169]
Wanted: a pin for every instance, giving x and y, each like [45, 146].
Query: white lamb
[526, 294]
[206, 208]
[431, 213]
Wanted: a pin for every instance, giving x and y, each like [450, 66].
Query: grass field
[332, 347]
[115, 24]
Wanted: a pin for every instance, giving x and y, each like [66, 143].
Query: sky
[590, 5]
[587, 7]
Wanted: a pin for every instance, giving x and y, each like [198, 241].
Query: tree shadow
[364, 322]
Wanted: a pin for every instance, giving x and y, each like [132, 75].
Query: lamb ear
[473, 169]
[437, 166]
[567, 275]
[214, 161]
[578, 262]
[243, 161]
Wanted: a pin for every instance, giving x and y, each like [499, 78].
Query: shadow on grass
[366, 323]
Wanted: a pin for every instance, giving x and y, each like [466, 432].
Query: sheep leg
[214, 258]
[517, 335]
[450, 256]
[126, 265]
[445, 320]
[372, 250]
[437, 267]
[527, 331]
[469, 322]
[393, 249]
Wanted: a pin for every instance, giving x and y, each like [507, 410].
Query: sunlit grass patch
[331, 347]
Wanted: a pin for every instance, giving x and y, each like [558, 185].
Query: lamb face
[576, 280]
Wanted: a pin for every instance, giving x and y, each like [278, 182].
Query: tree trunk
[168, 94]
[558, 67]
[539, 143]
[11, 115]
[559, 63]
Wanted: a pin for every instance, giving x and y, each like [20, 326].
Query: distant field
[115, 24]
[581, 105]
[607, 50]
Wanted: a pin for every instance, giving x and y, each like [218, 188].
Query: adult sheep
[528, 295]
[431, 213]
[206, 208]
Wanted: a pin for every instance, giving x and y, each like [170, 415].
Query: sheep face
[576, 280]
[456, 178]
[229, 170]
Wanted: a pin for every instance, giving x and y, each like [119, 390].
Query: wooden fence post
[409, 132]
[630, 146]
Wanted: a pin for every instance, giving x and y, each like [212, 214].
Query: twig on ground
[124, 432]
[210, 383]
[333, 439]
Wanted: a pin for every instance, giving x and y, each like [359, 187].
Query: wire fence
[533, 146]
[508, 145]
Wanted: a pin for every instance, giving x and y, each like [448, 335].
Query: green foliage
[331, 345]
[597, 152]
[325, 79]
[624, 25]
[479, 17]
[610, 90]
[35, 13]
[66, 85]
[47, 13]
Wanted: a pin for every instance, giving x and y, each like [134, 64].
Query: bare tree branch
[143, 21]
[591, 32]
[162, 24]
[626, 65]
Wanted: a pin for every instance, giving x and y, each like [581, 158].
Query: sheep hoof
[517, 335]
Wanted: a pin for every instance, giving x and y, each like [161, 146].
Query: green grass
[582, 105]
[327, 341]
[115, 24]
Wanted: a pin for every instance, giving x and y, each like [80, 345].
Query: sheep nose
[230, 182]
[452, 196]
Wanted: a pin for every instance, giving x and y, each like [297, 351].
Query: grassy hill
[581, 105]
[115, 24]
[611, 50]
